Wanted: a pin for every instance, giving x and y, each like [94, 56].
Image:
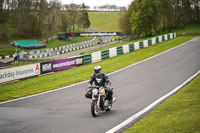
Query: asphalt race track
[68, 111]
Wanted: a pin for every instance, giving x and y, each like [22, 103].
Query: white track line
[135, 116]
[17, 99]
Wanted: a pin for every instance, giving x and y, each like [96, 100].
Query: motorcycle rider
[101, 80]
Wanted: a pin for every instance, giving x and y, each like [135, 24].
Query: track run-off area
[136, 87]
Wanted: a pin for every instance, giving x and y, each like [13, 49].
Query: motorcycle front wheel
[94, 109]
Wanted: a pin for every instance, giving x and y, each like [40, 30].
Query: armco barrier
[163, 38]
[168, 37]
[104, 54]
[153, 40]
[136, 46]
[145, 42]
[87, 59]
[112, 52]
[96, 56]
[160, 38]
[141, 45]
[119, 50]
[150, 42]
[125, 48]
[131, 47]
[157, 39]
[171, 36]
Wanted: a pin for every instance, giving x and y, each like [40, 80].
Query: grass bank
[74, 75]
[191, 29]
[179, 114]
[104, 21]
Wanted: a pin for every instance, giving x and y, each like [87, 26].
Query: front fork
[97, 100]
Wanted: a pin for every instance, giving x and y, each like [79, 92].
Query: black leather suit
[101, 81]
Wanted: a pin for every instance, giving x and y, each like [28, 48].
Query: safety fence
[21, 72]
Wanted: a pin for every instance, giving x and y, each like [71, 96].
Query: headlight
[102, 91]
[94, 91]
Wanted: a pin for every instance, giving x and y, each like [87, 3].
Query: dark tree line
[39, 18]
[146, 17]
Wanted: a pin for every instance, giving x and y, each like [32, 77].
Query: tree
[144, 20]
[84, 16]
[72, 12]
[124, 21]
[147, 17]
[4, 16]
[64, 22]
[52, 19]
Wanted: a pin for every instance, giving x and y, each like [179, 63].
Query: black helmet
[97, 70]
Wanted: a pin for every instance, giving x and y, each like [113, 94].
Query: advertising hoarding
[63, 64]
[46, 67]
[83, 34]
[15, 73]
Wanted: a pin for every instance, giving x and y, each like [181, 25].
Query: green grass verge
[74, 75]
[13, 64]
[104, 21]
[179, 114]
[114, 37]
[189, 29]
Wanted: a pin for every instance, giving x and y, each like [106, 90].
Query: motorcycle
[100, 101]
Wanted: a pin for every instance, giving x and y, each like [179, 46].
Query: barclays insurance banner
[10, 74]
[63, 64]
